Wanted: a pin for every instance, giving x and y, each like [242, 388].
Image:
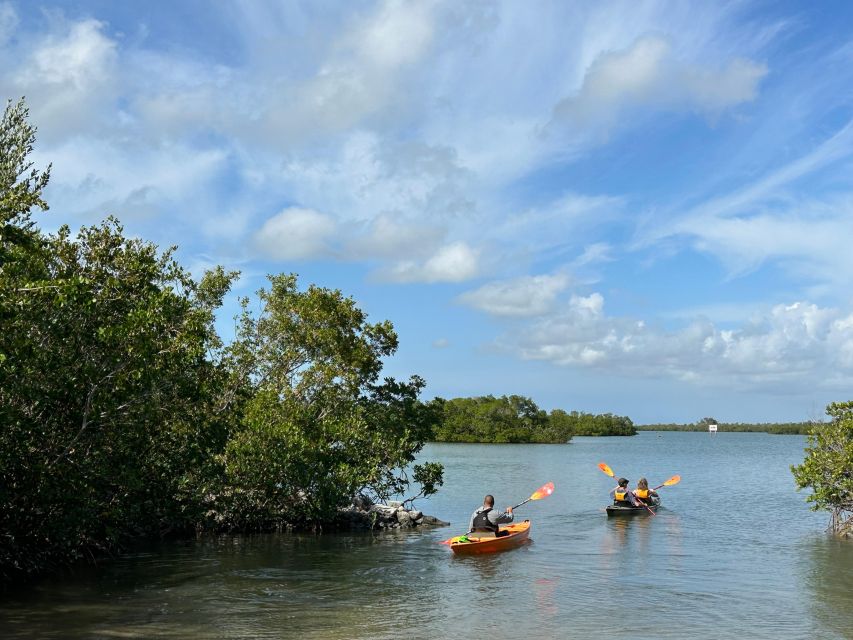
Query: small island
[517, 419]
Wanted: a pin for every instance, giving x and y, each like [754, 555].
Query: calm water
[735, 553]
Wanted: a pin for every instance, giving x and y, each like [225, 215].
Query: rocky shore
[363, 514]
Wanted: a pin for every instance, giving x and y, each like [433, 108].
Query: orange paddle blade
[606, 469]
[543, 492]
[673, 480]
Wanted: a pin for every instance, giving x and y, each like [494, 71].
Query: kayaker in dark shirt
[487, 520]
[621, 494]
[643, 492]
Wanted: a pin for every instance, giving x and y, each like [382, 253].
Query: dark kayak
[627, 510]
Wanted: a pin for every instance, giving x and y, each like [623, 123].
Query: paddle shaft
[645, 505]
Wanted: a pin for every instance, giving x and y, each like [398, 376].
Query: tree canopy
[828, 467]
[318, 426]
[491, 419]
[517, 419]
[124, 414]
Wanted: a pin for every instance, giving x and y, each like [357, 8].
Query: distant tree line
[781, 428]
[517, 419]
[123, 414]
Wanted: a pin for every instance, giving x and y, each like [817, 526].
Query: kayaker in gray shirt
[487, 520]
[621, 493]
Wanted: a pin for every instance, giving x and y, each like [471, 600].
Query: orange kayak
[473, 544]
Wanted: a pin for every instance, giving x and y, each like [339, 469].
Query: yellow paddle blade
[543, 492]
[606, 469]
[673, 480]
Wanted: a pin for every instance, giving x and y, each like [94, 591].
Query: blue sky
[634, 207]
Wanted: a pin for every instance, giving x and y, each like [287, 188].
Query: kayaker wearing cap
[622, 495]
[487, 520]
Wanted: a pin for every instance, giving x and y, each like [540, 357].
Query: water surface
[734, 553]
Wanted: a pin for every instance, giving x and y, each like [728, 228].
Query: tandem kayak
[473, 543]
[627, 510]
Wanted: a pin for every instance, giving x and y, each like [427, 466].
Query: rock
[362, 502]
[362, 514]
[383, 511]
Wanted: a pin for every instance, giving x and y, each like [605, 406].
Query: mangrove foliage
[123, 414]
[828, 467]
[517, 419]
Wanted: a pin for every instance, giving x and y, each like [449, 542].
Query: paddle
[542, 492]
[673, 480]
[609, 472]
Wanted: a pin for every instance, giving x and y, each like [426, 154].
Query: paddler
[643, 492]
[487, 520]
[622, 495]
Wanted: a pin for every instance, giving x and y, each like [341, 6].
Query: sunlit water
[734, 553]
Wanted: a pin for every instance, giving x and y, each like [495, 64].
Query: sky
[639, 208]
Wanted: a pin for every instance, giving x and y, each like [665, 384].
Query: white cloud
[368, 175]
[78, 59]
[455, 262]
[387, 237]
[296, 234]
[787, 346]
[648, 73]
[765, 221]
[8, 22]
[525, 296]
[562, 227]
[93, 178]
[441, 343]
[594, 253]
[373, 114]
[67, 76]
[360, 75]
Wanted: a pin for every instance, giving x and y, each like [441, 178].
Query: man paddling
[622, 495]
[487, 520]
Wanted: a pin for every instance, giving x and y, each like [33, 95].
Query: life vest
[482, 522]
[621, 495]
[642, 493]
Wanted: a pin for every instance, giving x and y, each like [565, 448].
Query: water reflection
[543, 589]
[826, 569]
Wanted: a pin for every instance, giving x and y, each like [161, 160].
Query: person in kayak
[649, 496]
[487, 520]
[622, 495]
